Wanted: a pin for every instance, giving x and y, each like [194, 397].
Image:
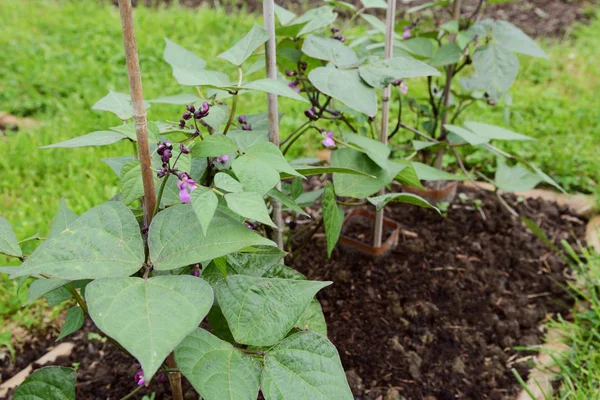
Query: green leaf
[216, 369]
[149, 317]
[249, 205]
[377, 151]
[495, 132]
[380, 201]
[427, 5]
[132, 186]
[48, 383]
[514, 39]
[376, 23]
[315, 19]
[515, 179]
[8, 241]
[280, 88]
[286, 201]
[116, 164]
[284, 16]
[281, 271]
[214, 146]
[204, 203]
[342, 4]
[202, 77]
[304, 366]
[308, 170]
[420, 46]
[256, 262]
[179, 57]
[408, 176]
[345, 86]
[313, 319]
[447, 54]
[360, 186]
[73, 322]
[329, 49]
[128, 130]
[247, 139]
[333, 217]
[374, 4]
[246, 46]
[218, 324]
[181, 99]
[219, 113]
[226, 182]
[495, 71]
[176, 238]
[309, 198]
[57, 296]
[98, 138]
[466, 134]
[104, 242]
[261, 311]
[118, 104]
[41, 287]
[427, 173]
[381, 73]
[62, 219]
[270, 154]
[422, 144]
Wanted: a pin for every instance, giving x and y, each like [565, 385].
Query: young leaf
[219, 113]
[218, 324]
[233, 375]
[408, 176]
[313, 319]
[329, 49]
[286, 201]
[226, 182]
[246, 46]
[8, 241]
[309, 170]
[179, 57]
[304, 366]
[333, 217]
[495, 132]
[284, 16]
[41, 287]
[204, 203]
[466, 134]
[98, 138]
[255, 174]
[427, 173]
[48, 383]
[149, 317]
[176, 238]
[63, 218]
[307, 199]
[515, 179]
[374, 3]
[380, 201]
[421, 47]
[73, 322]
[214, 146]
[104, 242]
[345, 86]
[361, 186]
[270, 154]
[202, 77]
[377, 151]
[132, 186]
[280, 88]
[118, 104]
[447, 54]
[256, 262]
[381, 73]
[315, 19]
[181, 99]
[495, 71]
[128, 130]
[249, 205]
[116, 164]
[261, 311]
[247, 139]
[512, 38]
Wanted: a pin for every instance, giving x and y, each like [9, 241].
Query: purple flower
[196, 273]
[191, 108]
[291, 73]
[250, 227]
[223, 159]
[242, 119]
[184, 149]
[311, 114]
[246, 127]
[294, 86]
[328, 141]
[182, 123]
[202, 111]
[186, 115]
[340, 38]
[186, 185]
[403, 88]
[406, 33]
[303, 65]
[166, 155]
[139, 378]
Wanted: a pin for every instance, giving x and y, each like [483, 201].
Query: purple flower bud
[246, 127]
[335, 30]
[329, 134]
[183, 148]
[161, 149]
[492, 102]
[161, 173]
[196, 273]
[371, 118]
[139, 378]
[161, 378]
[294, 86]
[182, 123]
[166, 155]
[191, 108]
[186, 115]
[250, 227]
[168, 145]
[303, 65]
[397, 82]
[291, 73]
[202, 111]
[242, 119]
[311, 114]
[404, 88]
[406, 33]
[223, 159]
[475, 37]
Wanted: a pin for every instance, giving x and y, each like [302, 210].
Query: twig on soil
[132, 393]
[505, 204]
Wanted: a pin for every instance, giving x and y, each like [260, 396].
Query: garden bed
[439, 317]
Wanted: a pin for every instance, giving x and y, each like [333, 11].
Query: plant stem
[287, 148]
[174, 378]
[132, 393]
[295, 131]
[139, 111]
[233, 103]
[160, 194]
[385, 114]
[272, 105]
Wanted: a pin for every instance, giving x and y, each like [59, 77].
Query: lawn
[60, 57]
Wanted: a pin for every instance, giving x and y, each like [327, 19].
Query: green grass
[60, 57]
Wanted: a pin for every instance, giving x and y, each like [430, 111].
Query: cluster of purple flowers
[245, 125]
[193, 113]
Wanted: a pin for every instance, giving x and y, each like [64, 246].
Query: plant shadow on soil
[436, 319]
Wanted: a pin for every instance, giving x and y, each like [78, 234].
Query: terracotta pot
[388, 243]
[441, 191]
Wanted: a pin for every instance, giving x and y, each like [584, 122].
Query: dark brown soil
[539, 18]
[361, 228]
[439, 317]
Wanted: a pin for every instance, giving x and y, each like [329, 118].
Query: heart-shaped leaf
[98, 138]
[104, 242]
[63, 218]
[304, 366]
[118, 104]
[381, 73]
[216, 369]
[261, 311]
[280, 88]
[329, 49]
[179, 57]
[149, 317]
[176, 238]
[249, 205]
[49, 383]
[73, 322]
[214, 146]
[204, 202]
[8, 241]
[246, 46]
